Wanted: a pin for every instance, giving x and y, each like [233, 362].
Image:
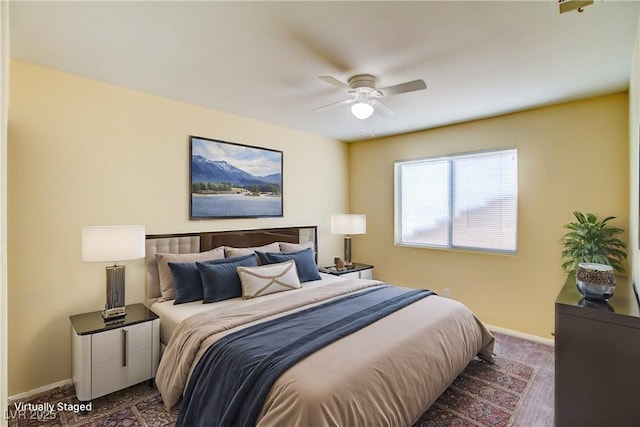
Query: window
[466, 201]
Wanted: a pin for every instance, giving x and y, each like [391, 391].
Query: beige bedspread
[386, 374]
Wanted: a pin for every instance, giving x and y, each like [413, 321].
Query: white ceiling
[262, 59]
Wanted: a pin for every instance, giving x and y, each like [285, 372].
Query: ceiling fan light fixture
[362, 110]
[365, 96]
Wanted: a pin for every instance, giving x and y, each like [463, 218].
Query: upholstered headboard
[183, 243]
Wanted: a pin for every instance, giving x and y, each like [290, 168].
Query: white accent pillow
[164, 272]
[268, 279]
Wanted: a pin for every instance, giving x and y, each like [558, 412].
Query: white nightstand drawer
[367, 274]
[109, 375]
[110, 344]
[354, 275]
[360, 274]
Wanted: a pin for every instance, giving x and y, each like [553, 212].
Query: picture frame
[232, 180]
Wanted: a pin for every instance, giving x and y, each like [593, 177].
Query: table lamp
[114, 243]
[348, 224]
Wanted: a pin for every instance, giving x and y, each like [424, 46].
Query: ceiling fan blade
[333, 104]
[404, 87]
[381, 109]
[334, 82]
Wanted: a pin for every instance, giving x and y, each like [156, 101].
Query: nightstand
[354, 271]
[107, 357]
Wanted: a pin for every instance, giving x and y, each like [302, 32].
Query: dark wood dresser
[597, 369]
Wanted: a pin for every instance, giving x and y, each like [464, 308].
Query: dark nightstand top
[350, 269]
[91, 323]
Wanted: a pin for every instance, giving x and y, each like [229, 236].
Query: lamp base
[347, 251]
[113, 314]
[114, 308]
[115, 286]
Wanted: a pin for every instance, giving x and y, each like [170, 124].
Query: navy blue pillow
[186, 281]
[220, 280]
[305, 262]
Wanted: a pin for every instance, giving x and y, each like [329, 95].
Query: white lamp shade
[362, 110]
[113, 243]
[348, 224]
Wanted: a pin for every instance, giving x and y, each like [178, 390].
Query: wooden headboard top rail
[206, 240]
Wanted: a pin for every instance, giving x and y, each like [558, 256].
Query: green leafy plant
[590, 240]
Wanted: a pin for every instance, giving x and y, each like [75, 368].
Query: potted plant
[592, 241]
[592, 252]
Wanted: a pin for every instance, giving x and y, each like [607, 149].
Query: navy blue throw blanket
[232, 379]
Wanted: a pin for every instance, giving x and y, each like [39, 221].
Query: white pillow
[231, 252]
[268, 279]
[164, 272]
[287, 248]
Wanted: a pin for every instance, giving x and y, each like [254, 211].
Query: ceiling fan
[366, 97]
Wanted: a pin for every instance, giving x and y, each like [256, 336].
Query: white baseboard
[36, 391]
[546, 341]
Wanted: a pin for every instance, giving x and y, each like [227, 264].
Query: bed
[385, 371]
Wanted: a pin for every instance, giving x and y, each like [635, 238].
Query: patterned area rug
[483, 395]
[139, 405]
[516, 391]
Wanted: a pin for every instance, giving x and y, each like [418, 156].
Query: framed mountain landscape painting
[230, 180]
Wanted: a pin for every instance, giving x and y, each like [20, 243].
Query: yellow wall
[572, 156]
[81, 153]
